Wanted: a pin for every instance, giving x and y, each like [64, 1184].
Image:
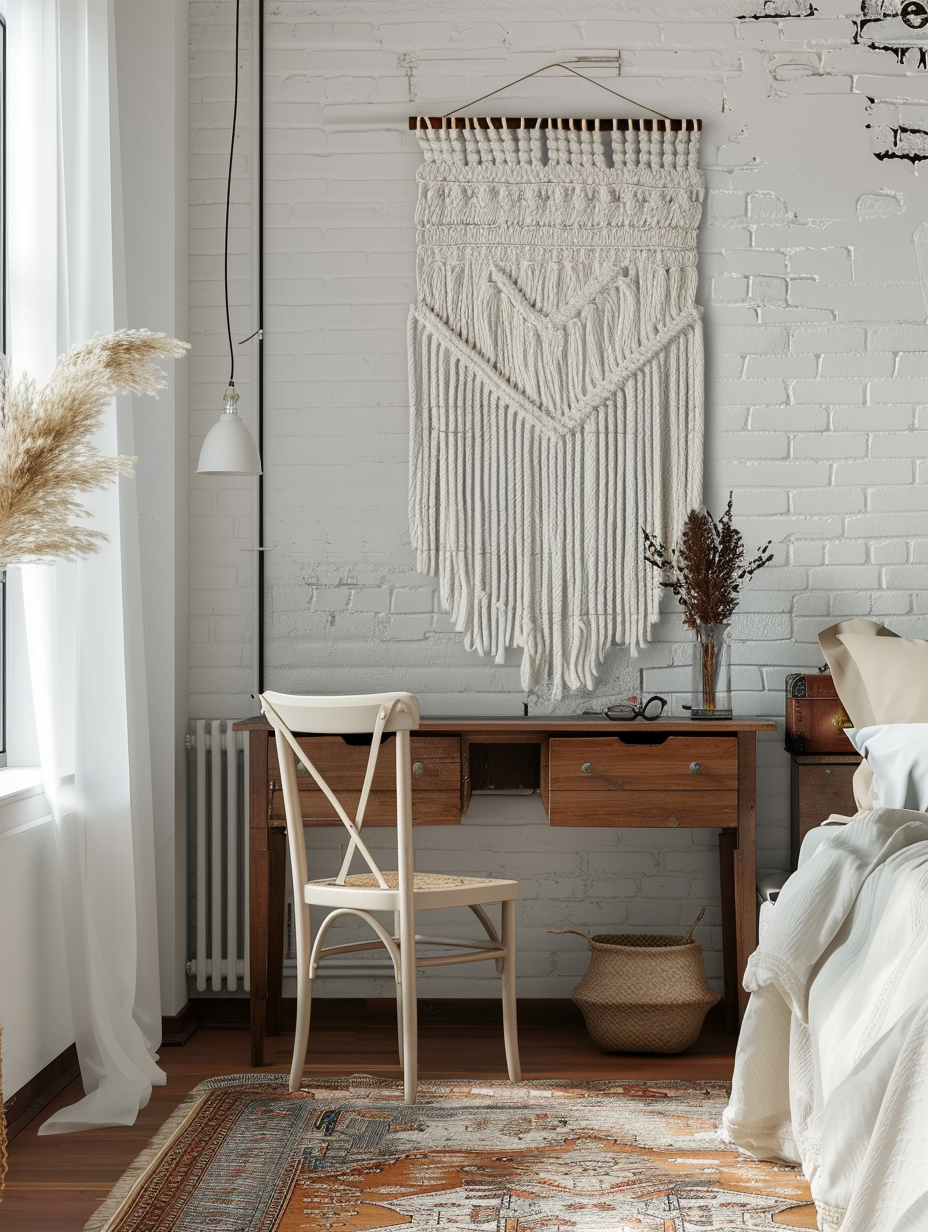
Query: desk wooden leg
[277, 872]
[258, 880]
[729, 927]
[745, 859]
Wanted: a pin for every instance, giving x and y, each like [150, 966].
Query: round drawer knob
[695, 767]
[418, 767]
[587, 767]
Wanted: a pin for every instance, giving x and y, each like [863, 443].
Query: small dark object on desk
[697, 712]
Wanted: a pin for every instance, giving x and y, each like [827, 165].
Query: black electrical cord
[259, 332]
[238, 15]
[259, 384]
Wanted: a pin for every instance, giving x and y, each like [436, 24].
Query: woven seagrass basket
[643, 994]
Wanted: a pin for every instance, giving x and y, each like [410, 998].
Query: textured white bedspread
[831, 1070]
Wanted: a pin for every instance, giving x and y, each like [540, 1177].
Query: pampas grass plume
[48, 458]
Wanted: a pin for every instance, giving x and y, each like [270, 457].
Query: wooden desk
[593, 773]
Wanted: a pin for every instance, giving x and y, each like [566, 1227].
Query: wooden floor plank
[55, 1184]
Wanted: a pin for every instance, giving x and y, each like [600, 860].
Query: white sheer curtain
[84, 620]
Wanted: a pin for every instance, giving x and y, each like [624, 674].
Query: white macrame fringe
[556, 384]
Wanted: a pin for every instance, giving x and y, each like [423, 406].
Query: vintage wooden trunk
[815, 718]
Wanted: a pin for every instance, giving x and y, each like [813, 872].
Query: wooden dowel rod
[642, 124]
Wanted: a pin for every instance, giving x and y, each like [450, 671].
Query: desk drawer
[436, 781]
[683, 781]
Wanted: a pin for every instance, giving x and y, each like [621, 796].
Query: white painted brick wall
[817, 406]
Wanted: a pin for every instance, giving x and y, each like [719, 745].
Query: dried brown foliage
[708, 568]
[48, 457]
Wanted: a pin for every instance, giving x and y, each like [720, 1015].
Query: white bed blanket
[831, 1070]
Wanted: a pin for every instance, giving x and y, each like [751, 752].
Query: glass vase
[712, 673]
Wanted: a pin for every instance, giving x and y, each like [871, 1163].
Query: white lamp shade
[229, 448]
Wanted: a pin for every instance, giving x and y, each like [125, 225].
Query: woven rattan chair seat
[421, 881]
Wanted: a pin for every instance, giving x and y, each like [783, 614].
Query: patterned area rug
[241, 1155]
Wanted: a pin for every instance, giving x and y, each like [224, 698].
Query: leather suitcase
[815, 719]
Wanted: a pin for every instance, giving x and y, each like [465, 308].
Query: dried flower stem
[708, 675]
[48, 458]
[707, 570]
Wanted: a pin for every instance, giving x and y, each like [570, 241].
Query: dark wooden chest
[815, 718]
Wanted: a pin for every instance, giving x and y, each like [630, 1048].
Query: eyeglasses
[624, 712]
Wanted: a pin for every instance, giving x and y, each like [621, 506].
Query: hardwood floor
[54, 1184]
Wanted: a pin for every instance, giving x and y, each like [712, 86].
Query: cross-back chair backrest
[374, 713]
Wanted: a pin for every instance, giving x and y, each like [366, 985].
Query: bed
[831, 1070]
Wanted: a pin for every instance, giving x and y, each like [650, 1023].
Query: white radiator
[218, 817]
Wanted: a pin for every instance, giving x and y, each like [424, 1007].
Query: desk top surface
[548, 723]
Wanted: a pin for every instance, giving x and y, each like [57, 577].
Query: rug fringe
[242, 1080]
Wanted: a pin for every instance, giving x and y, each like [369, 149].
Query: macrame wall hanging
[556, 373]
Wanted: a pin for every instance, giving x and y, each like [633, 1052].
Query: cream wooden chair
[402, 892]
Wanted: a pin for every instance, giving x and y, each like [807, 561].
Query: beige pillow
[849, 683]
[894, 672]
[851, 686]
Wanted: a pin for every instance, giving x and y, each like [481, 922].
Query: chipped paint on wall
[898, 27]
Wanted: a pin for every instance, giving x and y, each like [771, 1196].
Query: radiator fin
[218, 769]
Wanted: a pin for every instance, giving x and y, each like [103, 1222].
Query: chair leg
[510, 1027]
[399, 995]
[409, 1011]
[399, 1021]
[304, 996]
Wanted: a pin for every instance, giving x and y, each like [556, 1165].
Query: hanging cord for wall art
[544, 69]
[238, 13]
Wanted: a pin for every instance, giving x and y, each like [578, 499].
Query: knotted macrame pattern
[556, 374]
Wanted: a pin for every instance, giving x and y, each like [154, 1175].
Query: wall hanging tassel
[555, 362]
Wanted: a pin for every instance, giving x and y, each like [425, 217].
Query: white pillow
[897, 753]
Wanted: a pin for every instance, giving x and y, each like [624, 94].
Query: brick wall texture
[812, 274]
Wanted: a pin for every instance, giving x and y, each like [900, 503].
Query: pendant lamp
[229, 448]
